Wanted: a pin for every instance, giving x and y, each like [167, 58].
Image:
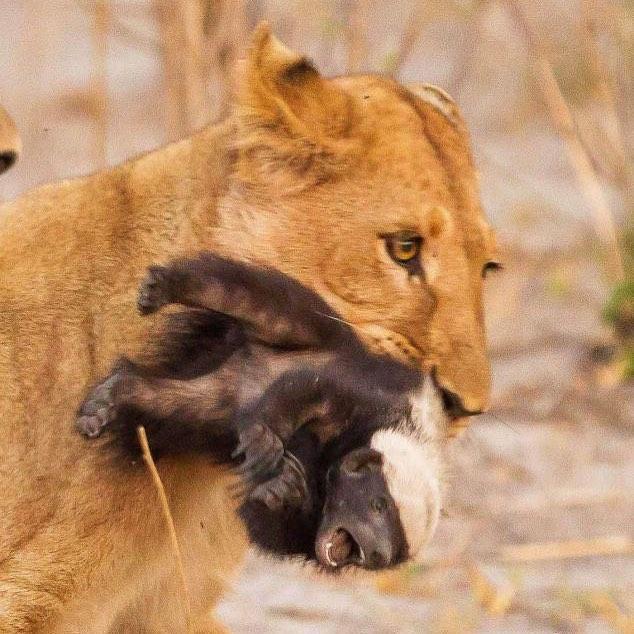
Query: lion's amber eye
[404, 248]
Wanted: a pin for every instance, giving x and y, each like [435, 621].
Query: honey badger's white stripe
[412, 467]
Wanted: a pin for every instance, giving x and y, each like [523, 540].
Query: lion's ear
[446, 128]
[290, 120]
[437, 98]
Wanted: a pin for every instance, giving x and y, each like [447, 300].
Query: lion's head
[365, 190]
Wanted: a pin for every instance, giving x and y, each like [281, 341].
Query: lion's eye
[492, 265]
[404, 249]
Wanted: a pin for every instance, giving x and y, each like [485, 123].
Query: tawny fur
[305, 175]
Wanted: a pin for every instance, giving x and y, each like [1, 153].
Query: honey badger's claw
[288, 488]
[262, 450]
[91, 423]
[91, 426]
[153, 292]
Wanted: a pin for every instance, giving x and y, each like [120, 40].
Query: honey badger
[338, 446]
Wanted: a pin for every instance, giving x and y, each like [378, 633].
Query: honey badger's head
[383, 499]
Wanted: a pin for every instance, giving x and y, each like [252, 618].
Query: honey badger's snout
[338, 546]
[361, 524]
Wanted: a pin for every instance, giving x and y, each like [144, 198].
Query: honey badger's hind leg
[270, 472]
[98, 408]
[180, 416]
[273, 308]
[289, 488]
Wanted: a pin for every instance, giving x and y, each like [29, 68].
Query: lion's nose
[453, 405]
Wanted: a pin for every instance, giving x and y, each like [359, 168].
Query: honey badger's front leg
[315, 397]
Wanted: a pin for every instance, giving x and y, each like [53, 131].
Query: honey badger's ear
[362, 459]
[290, 121]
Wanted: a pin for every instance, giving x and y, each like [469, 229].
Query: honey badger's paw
[289, 488]
[263, 450]
[154, 291]
[96, 411]
[98, 408]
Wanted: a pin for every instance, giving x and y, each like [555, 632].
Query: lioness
[356, 186]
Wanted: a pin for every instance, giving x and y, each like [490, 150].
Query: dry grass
[169, 522]
[563, 119]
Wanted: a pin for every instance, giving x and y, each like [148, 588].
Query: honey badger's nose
[378, 558]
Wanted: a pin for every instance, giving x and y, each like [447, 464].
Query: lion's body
[85, 552]
[70, 258]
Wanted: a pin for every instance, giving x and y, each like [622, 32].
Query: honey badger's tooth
[331, 562]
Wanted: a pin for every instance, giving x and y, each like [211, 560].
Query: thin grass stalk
[169, 521]
[561, 115]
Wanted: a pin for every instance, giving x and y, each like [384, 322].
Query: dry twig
[169, 520]
[611, 545]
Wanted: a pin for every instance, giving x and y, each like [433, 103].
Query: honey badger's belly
[260, 366]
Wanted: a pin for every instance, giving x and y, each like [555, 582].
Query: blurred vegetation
[619, 312]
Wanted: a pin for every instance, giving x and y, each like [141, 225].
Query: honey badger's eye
[492, 265]
[404, 249]
[378, 504]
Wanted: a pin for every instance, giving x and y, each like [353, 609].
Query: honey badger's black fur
[260, 367]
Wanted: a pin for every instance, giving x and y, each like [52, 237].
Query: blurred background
[537, 531]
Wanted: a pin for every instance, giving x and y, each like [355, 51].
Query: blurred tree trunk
[356, 36]
[226, 29]
[180, 25]
[101, 23]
